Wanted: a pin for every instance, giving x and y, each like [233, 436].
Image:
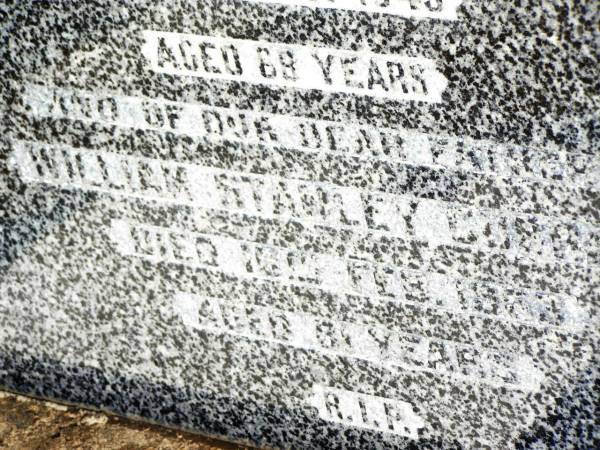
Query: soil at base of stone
[30, 424]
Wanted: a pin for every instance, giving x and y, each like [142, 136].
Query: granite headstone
[306, 223]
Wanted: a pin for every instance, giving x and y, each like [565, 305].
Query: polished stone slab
[306, 224]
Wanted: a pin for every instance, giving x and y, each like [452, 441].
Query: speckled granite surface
[306, 224]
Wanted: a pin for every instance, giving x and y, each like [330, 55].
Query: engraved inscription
[296, 66]
[433, 222]
[346, 276]
[366, 411]
[210, 188]
[299, 133]
[372, 343]
[432, 9]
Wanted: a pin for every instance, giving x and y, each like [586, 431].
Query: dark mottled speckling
[84, 323]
